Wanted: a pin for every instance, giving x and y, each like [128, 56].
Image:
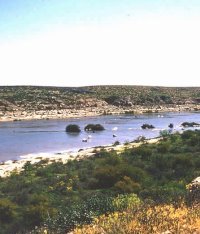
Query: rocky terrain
[29, 102]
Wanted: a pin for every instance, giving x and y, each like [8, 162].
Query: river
[48, 136]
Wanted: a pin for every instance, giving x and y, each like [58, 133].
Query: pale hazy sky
[91, 42]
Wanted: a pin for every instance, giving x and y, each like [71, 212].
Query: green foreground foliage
[61, 196]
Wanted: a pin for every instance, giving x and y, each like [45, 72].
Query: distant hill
[32, 98]
[146, 95]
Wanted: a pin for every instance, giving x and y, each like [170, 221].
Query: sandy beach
[7, 167]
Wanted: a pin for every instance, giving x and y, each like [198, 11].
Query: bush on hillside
[164, 133]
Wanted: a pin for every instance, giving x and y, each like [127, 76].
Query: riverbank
[7, 167]
[92, 111]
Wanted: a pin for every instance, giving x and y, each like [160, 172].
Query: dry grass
[163, 219]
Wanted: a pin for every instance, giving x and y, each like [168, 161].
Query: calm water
[42, 136]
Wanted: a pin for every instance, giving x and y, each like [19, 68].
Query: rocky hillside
[145, 95]
[27, 101]
[45, 98]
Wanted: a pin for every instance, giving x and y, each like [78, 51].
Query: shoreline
[92, 112]
[7, 167]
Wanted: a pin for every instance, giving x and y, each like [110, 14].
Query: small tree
[164, 133]
[116, 143]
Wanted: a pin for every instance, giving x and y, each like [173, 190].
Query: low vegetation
[190, 124]
[73, 128]
[94, 127]
[147, 219]
[147, 126]
[24, 98]
[145, 95]
[106, 190]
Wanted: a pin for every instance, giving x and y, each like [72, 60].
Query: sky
[100, 42]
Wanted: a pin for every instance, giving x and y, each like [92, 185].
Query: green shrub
[190, 124]
[164, 133]
[116, 143]
[163, 147]
[73, 128]
[127, 185]
[140, 139]
[7, 210]
[162, 194]
[124, 201]
[80, 213]
[94, 127]
[187, 135]
[147, 126]
[142, 151]
[84, 212]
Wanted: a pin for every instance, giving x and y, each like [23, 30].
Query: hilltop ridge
[37, 102]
